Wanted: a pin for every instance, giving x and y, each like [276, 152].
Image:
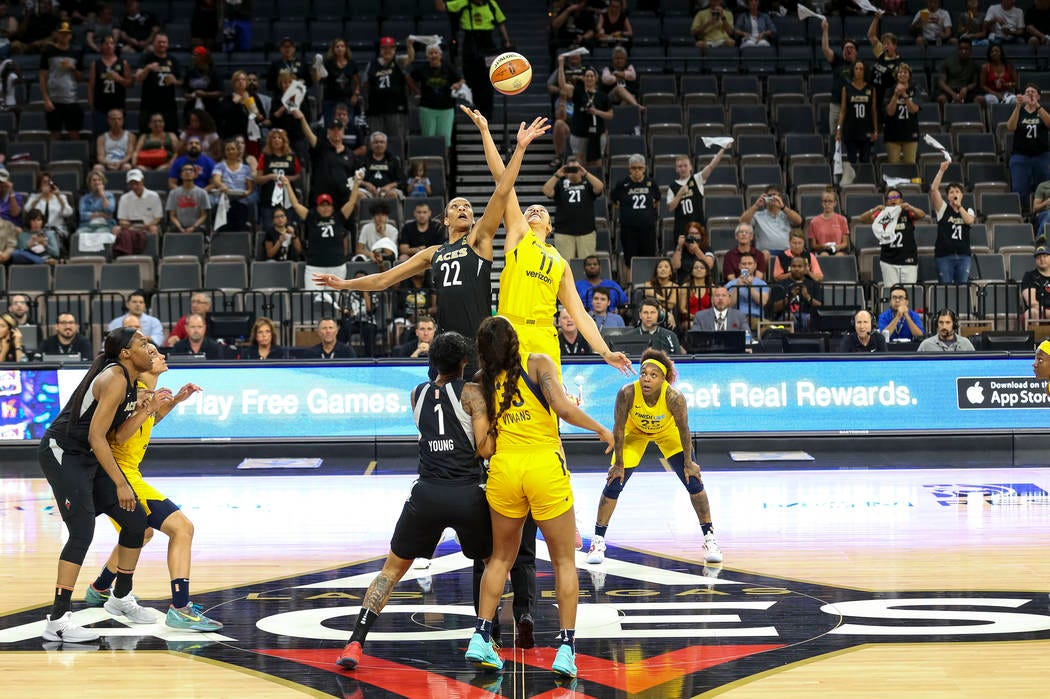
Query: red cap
[324, 199]
[387, 41]
[200, 51]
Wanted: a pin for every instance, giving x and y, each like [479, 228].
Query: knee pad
[131, 537]
[613, 490]
[81, 528]
[694, 486]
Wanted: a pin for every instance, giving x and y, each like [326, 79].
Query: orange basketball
[510, 73]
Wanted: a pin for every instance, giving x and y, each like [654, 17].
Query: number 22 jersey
[463, 280]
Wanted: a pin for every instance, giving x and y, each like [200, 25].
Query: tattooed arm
[677, 407]
[623, 407]
[543, 371]
[474, 403]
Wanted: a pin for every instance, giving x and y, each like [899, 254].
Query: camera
[768, 198]
[571, 169]
[745, 273]
[692, 239]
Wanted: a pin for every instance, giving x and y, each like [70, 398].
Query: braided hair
[498, 352]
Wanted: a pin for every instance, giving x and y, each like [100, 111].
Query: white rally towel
[464, 93]
[280, 195]
[933, 143]
[254, 133]
[720, 141]
[427, 40]
[805, 13]
[581, 51]
[221, 207]
[895, 181]
[885, 224]
[319, 68]
[293, 97]
[867, 6]
[837, 158]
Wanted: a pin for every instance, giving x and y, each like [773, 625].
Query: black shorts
[77, 480]
[65, 117]
[435, 505]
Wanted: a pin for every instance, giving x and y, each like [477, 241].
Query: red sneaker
[351, 656]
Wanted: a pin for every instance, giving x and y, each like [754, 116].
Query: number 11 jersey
[529, 282]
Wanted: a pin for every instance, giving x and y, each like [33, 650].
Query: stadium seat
[179, 244]
[71, 278]
[225, 275]
[120, 276]
[29, 278]
[839, 268]
[273, 275]
[178, 275]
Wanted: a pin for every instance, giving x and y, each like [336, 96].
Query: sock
[568, 637]
[123, 585]
[599, 530]
[484, 627]
[105, 578]
[364, 624]
[707, 528]
[63, 600]
[180, 592]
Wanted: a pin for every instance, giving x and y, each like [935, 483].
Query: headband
[1044, 347]
[658, 363]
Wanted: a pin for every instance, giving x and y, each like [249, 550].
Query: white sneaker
[63, 629]
[712, 554]
[130, 608]
[596, 554]
[421, 563]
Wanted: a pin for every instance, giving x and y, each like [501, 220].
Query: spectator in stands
[11, 202]
[276, 160]
[1005, 23]
[1035, 284]
[664, 288]
[745, 243]
[60, 71]
[139, 208]
[620, 81]
[188, 205]
[8, 241]
[969, 24]
[887, 60]
[572, 25]
[138, 29]
[713, 26]
[592, 280]
[359, 317]
[288, 61]
[417, 184]
[841, 69]
[282, 241]
[863, 339]
[378, 230]
[637, 197]
[569, 337]
[695, 293]
[237, 108]
[1041, 207]
[355, 133]
[416, 298]
[53, 204]
[204, 22]
[858, 127]
[796, 248]
[36, 244]
[719, 316]
[102, 26]
[262, 342]
[342, 83]
[1037, 22]
[11, 348]
[160, 75]
[135, 307]
[333, 163]
[590, 110]
[574, 190]
[38, 24]
[649, 326]
[561, 103]
[67, 338]
[998, 77]
[200, 304]
[108, 81]
[419, 233]
[200, 124]
[899, 254]
[932, 26]
[479, 22]
[614, 26]
[383, 173]
[18, 306]
[749, 291]
[327, 241]
[98, 208]
[799, 297]
[772, 220]
[157, 147]
[692, 246]
[959, 76]
[283, 119]
[604, 317]
[828, 231]
[1030, 160]
[900, 118]
[952, 249]
[262, 99]
[947, 338]
[434, 83]
[233, 177]
[116, 146]
[237, 25]
[329, 347]
[202, 165]
[388, 86]
[899, 322]
[203, 87]
[419, 346]
[754, 28]
[196, 342]
[687, 201]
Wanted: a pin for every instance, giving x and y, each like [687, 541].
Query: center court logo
[646, 624]
[1001, 392]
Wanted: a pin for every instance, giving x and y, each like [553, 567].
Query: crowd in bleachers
[127, 129]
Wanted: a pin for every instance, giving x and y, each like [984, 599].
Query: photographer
[798, 297]
[574, 191]
[772, 220]
[692, 246]
[1035, 285]
[749, 291]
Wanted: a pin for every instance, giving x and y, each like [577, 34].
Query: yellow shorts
[636, 442]
[148, 495]
[536, 339]
[536, 479]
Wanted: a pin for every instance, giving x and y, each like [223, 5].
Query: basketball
[510, 73]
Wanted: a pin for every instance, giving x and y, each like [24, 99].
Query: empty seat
[998, 204]
[191, 244]
[1013, 237]
[120, 276]
[226, 275]
[273, 275]
[232, 243]
[839, 268]
[178, 275]
[75, 278]
[29, 278]
[988, 267]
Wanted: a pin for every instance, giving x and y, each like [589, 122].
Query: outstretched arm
[570, 298]
[677, 407]
[543, 371]
[935, 187]
[420, 262]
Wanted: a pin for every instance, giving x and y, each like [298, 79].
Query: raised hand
[185, 392]
[621, 361]
[527, 134]
[477, 117]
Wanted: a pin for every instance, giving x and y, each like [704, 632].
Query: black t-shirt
[902, 250]
[139, 26]
[415, 238]
[876, 343]
[1034, 280]
[331, 170]
[953, 234]
[859, 119]
[387, 89]
[412, 300]
[637, 202]
[109, 94]
[51, 59]
[902, 126]
[297, 67]
[79, 345]
[71, 432]
[577, 346]
[1030, 136]
[690, 208]
[884, 75]
[286, 252]
[446, 435]
[325, 238]
[382, 172]
[338, 85]
[435, 85]
[463, 280]
[156, 94]
[575, 207]
[270, 164]
[584, 124]
[206, 80]
[796, 303]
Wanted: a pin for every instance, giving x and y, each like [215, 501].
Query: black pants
[476, 46]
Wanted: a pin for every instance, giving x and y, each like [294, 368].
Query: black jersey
[324, 239]
[884, 75]
[575, 207]
[387, 89]
[1030, 136]
[446, 433]
[902, 126]
[902, 250]
[953, 234]
[109, 94]
[463, 280]
[71, 432]
[690, 208]
[156, 92]
[858, 116]
[637, 200]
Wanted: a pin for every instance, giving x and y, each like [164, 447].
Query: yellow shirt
[529, 282]
[529, 421]
[650, 420]
[130, 454]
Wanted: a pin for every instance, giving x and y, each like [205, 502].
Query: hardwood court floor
[872, 583]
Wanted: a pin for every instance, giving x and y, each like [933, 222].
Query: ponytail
[115, 342]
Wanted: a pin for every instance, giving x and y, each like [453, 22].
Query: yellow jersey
[130, 454]
[650, 420]
[529, 421]
[529, 282]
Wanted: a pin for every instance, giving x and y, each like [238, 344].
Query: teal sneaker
[190, 617]
[565, 661]
[482, 654]
[96, 598]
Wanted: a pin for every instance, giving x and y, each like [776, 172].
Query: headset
[951, 314]
[853, 319]
[661, 314]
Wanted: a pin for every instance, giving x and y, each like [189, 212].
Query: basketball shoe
[350, 658]
[191, 617]
[96, 598]
[565, 661]
[712, 554]
[129, 608]
[482, 654]
[526, 626]
[63, 629]
[597, 551]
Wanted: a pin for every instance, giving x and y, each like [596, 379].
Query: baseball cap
[5, 176]
[286, 40]
[64, 28]
[336, 124]
[135, 175]
[200, 51]
[388, 41]
[324, 199]
[1041, 250]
